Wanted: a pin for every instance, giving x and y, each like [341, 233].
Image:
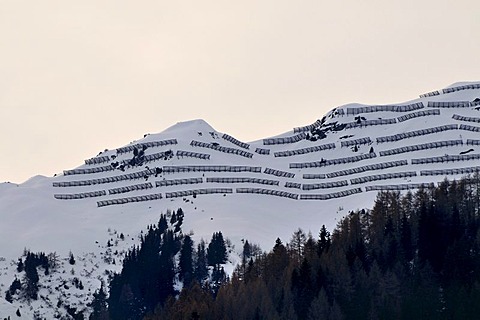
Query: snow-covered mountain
[308, 176]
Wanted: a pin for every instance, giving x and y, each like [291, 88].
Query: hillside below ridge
[303, 178]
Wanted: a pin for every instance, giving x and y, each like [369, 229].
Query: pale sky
[77, 77]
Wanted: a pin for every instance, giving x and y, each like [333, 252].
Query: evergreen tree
[186, 261]
[162, 224]
[179, 222]
[31, 277]
[173, 218]
[277, 261]
[324, 240]
[201, 271]
[274, 269]
[15, 286]
[217, 250]
[20, 266]
[8, 296]
[99, 305]
[247, 251]
[71, 259]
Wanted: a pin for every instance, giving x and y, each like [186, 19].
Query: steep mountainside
[306, 177]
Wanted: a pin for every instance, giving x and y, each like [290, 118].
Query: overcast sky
[77, 77]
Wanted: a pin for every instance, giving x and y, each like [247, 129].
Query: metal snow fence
[217, 147]
[88, 170]
[292, 139]
[176, 169]
[195, 192]
[130, 176]
[134, 187]
[262, 151]
[278, 173]
[314, 176]
[97, 160]
[235, 141]
[383, 177]
[417, 133]
[430, 94]
[330, 195]
[398, 187]
[463, 118]
[242, 180]
[371, 167]
[277, 193]
[307, 128]
[469, 128]
[456, 171]
[327, 185]
[293, 185]
[417, 114]
[83, 195]
[383, 108]
[189, 154]
[289, 153]
[419, 147]
[149, 197]
[176, 182]
[366, 123]
[448, 104]
[161, 143]
[464, 87]
[447, 158]
[473, 142]
[324, 163]
[360, 141]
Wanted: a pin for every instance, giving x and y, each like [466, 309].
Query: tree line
[412, 256]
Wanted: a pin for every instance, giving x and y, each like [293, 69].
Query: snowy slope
[302, 183]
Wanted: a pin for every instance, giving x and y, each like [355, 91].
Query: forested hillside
[413, 256]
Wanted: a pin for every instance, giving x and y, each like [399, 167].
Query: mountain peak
[195, 125]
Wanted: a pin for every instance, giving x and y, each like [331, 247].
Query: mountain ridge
[302, 178]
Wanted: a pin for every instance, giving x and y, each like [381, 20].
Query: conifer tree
[31, 278]
[324, 240]
[247, 251]
[217, 250]
[186, 261]
[8, 296]
[201, 271]
[99, 305]
[179, 222]
[20, 266]
[71, 259]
